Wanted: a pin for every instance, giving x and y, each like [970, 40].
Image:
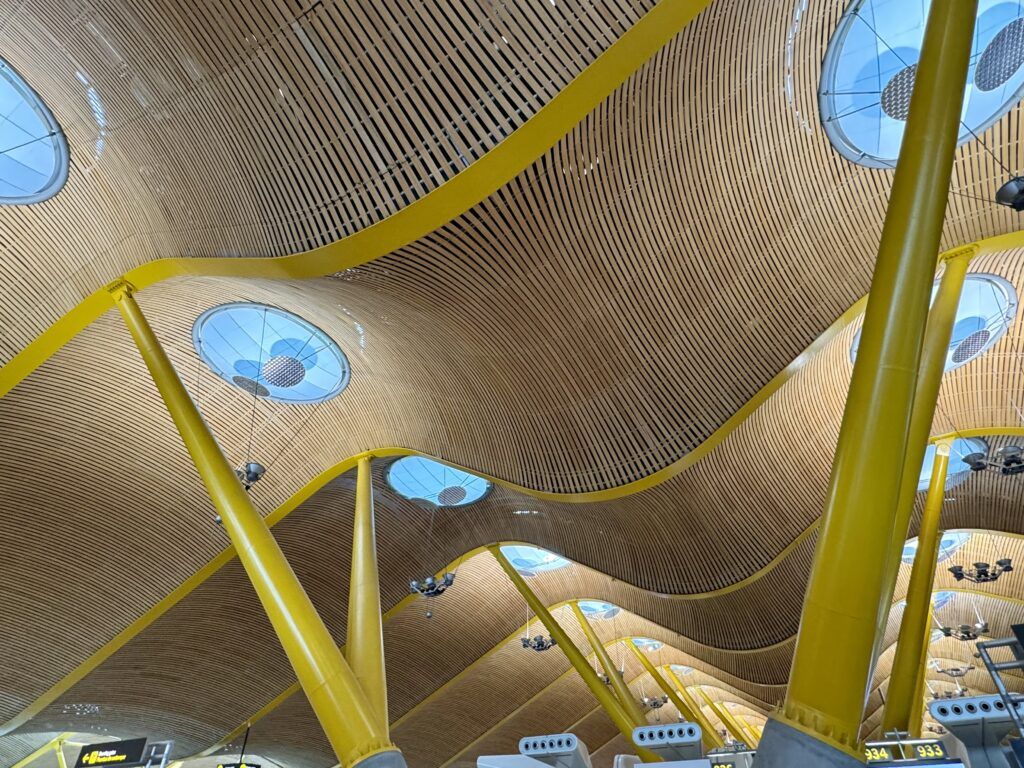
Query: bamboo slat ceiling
[595, 320]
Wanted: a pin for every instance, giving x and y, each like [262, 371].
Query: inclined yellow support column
[365, 647]
[59, 750]
[684, 709]
[712, 739]
[333, 692]
[601, 692]
[837, 630]
[915, 629]
[625, 696]
[726, 717]
[934, 352]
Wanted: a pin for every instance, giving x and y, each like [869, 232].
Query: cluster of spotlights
[655, 702]
[958, 693]
[430, 586]
[982, 573]
[539, 643]
[955, 672]
[967, 632]
[1008, 460]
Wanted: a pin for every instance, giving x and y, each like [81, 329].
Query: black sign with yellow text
[238, 765]
[115, 753]
[894, 753]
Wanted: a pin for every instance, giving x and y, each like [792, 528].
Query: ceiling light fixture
[966, 632]
[1011, 194]
[982, 573]
[1008, 460]
[955, 672]
[539, 643]
[250, 473]
[430, 586]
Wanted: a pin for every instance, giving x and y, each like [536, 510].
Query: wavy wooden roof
[620, 280]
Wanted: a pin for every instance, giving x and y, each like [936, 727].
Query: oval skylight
[596, 609]
[958, 471]
[680, 670]
[988, 306]
[647, 643]
[422, 479]
[270, 353]
[871, 63]
[950, 542]
[33, 150]
[530, 561]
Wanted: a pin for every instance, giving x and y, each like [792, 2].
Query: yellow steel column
[365, 647]
[934, 352]
[837, 629]
[712, 739]
[730, 725]
[915, 629]
[601, 692]
[59, 749]
[625, 696]
[332, 690]
[684, 709]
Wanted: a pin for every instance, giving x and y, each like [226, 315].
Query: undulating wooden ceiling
[665, 292]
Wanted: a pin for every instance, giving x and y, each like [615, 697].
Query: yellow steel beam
[1015, 431]
[916, 720]
[836, 640]
[727, 720]
[330, 686]
[622, 692]
[694, 708]
[915, 628]
[51, 746]
[457, 195]
[934, 352]
[619, 716]
[365, 647]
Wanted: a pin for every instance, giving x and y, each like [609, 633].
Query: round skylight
[958, 471]
[270, 353]
[426, 480]
[988, 305]
[870, 66]
[647, 643]
[679, 669]
[530, 561]
[940, 599]
[33, 151]
[596, 609]
[950, 542]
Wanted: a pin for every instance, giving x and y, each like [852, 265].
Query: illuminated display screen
[932, 753]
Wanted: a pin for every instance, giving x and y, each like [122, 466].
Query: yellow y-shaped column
[708, 738]
[915, 628]
[916, 724]
[623, 721]
[727, 719]
[625, 696]
[712, 738]
[365, 647]
[934, 352]
[346, 715]
[836, 641]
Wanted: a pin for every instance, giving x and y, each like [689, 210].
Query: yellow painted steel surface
[711, 735]
[52, 745]
[622, 692]
[934, 351]
[579, 662]
[365, 647]
[837, 629]
[333, 691]
[915, 629]
[730, 725]
[916, 725]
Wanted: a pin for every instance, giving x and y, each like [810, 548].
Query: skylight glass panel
[647, 643]
[426, 480]
[958, 470]
[270, 353]
[950, 542]
[680, 670]
[33, 150]
[987, 308]
[596, 609]
[871, 64]
[530, 561]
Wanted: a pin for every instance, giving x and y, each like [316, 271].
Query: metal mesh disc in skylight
[598, 609]
[422, 479]
[270, 353]
[530, 561]
[988, 305]
[870, 65]
[33, 151]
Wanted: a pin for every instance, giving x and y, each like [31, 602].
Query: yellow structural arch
[467, 188]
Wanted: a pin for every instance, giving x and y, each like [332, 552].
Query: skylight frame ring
[58, 139]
